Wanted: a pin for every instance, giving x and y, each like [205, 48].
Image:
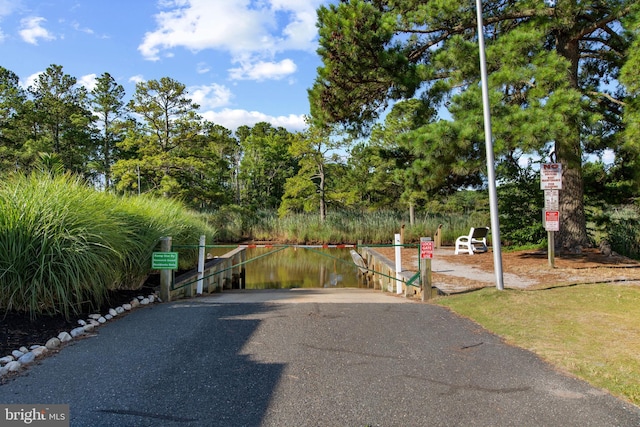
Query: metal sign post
[551, 183]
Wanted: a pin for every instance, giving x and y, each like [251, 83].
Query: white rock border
[24, 356]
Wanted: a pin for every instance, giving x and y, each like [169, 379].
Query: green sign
[164, 261]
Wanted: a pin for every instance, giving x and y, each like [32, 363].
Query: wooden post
[425, 272]
[398, 253]
[438, 237]
[201, 254]
[551, 248]
[166, 276]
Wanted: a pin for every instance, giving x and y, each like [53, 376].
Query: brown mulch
[17, 329]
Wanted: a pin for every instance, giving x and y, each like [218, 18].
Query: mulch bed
[18, 329]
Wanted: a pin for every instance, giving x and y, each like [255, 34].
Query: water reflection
[296, 267]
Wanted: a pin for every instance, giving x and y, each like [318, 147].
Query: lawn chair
[476, 241]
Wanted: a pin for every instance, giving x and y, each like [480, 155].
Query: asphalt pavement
[307, 357]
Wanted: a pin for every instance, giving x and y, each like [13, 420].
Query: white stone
[17, 353]
[102, 320]
[76, 332]
[64, 336]
[27, 358]
[119, 310]
[127, 307]
[95, 316]
[39, 351]
[53, 343]
[144, 301]
[140, 297]
[135, 303]
[34, 346]
[113, 312]
[88, 328]
[6, 359]
[24, 349]
[81, 322]
[108, 316]
[13, 366]
[94, 322]
[151, 298]
[3, 371]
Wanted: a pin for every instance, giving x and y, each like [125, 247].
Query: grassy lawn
[591, 331]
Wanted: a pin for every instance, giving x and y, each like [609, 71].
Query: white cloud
[245, 29]
[7, 7]
[32, 30]
[212, 96]
[263, 70]
[232, 119]
[29, 81]
[202, 68]
[88, 81]
[138, 78]
[76, 26]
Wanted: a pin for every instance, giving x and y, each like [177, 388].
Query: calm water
[277, 268]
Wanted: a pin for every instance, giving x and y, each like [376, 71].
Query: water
[291, 267]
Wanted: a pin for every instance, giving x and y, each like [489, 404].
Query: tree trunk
[323, 206]
[573, 229]
[412, 214]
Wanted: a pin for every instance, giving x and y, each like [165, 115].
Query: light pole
[491, 174]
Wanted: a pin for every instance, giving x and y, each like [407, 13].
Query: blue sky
[243, 61]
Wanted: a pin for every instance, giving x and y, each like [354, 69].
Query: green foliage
[63, 244]
[520, 204]
[620, 226]
[343, 226]
[266, 164]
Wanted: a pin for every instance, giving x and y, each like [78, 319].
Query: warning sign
[552, 220]
[551, 176]
[426, 249]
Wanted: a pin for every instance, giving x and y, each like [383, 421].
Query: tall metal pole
[491, 174]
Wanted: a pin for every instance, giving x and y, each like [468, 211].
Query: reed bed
[63, 245]
[348, 227]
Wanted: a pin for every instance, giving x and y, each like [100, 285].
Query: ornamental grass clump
[58, 245]
[63, 245]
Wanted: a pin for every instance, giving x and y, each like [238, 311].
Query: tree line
[563, 88]
[156, 143]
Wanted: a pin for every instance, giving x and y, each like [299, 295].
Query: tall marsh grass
[349, 227]
[63, 245]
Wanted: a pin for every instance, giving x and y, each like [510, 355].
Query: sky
[242, 61]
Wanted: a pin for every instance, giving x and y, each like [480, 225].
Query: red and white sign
[551, 176]
[552, 220]
[426, 249]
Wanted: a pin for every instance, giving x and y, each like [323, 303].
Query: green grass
[341, 227]
[591, 331]
[63, 245]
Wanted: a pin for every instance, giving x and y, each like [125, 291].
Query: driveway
[307, 357]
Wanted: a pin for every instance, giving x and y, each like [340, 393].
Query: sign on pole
[164, 261]
[551, 200]
[552, 220]
[426, 249]
[551, 176]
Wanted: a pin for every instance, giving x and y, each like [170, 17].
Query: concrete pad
[300, 295]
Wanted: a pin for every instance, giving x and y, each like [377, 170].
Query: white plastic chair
[476, 241]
